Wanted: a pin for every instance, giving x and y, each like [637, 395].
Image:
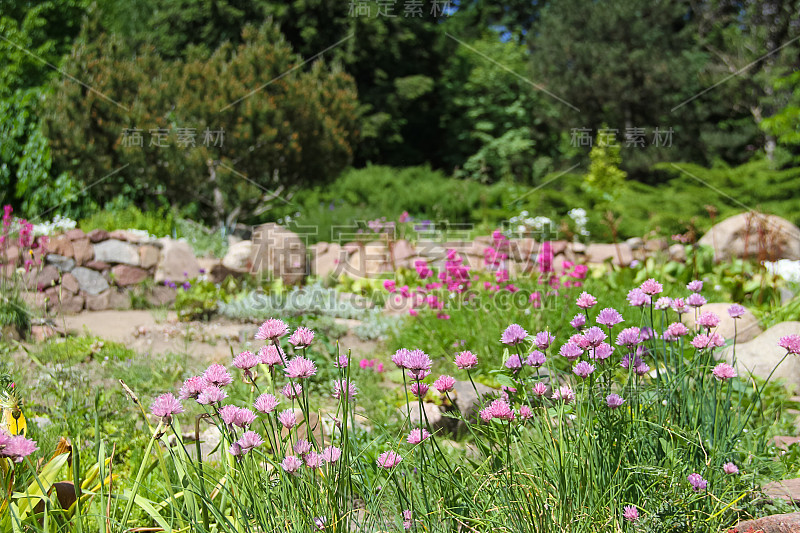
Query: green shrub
[160, 222]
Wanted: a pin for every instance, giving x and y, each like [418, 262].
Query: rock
[779, 523]
[98, 235]
[177, 262]
[61, 245]
[658, 244]
[237, 259]
[118, 299]
[466, 399]
[432, 412]
[40, 422]
[100, 266]
[64, 301]
[46, 277]
[116, 251]
[279, 253]
[161, 296]
[402, 249]
[90, 281]
[43, 332]
[783, 442]
[747, 327]
[125, 275]
[620, 254]
[635, 243]
[148, 256]
[63, 264]
[69, 283]
[677, 252]
[331, 262]
[75, 234]
[318, 248]
[11, 259]
[578, 247]
[762, 354]
[786, 489]
[83, 251]
[766, 237]
[218, 273]
[376, 259]
[98, 302]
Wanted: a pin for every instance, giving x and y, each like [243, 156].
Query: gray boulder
[116, 251]
[762, 354]
[90, 281]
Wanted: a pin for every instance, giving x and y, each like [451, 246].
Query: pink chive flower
[249, 441]
[565, 394]
[211, 395]
[244, 417]
[708, 320]
[525, 413]
[514, 363]
[790, 343]
[300, 368]
[736, 311]
[292, 390]
[665, 302]
[228, 414]
[444, 384]
[543, 340]
[314, 460]
[291, 464]
[586, 300]
[594, 336]
[603, 351]
[407, 519]
[165, 406]
[638, 298]
[417, 435]
[486, 414]
[269, 355]
[730, 468]
[192, 388]
[217, 375]
[302, 447]
[614, 401]
[580, 340]
[245, 361]
[418, 364]
[342, 362]
[514, 334]
[536, 359]
[331, 454]
[571, 351]
[724, 372]
[679, 305]
[287, 419]
[651, 287]
[389, 459]
[301, 338]
[630, 513]
[629, 337]
[626, 361]
[501, 409]
[540, 389]
[697, 482]
[344, 388]
[399, 357]
[609, 317]
[676, 330]
[419, 389]
[583, 369]
[466, 360]
[695, 300]
[711, 341]
[16, 447]
[266, 403]
[578, 322]
[695, 286]
[272, 329]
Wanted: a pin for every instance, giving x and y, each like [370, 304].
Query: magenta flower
[217, 375]
[708, 320]
[486, 414]
[571, 351]
[419, 389]
[736, 311]
[525, 413]
[614, 401]
[638, 298]
[540, 389]
[266, 403]
[651, 287]
[514, 334]
[245, 361]
[565, 394]
[581, 341]
[724, 372]
[603, 351]
[444, 384]
[514, 363]
[609, 317]
[790, 343]
[399, 357]
[583, 369]
[302, 447]
[578, 322]
[594, 336]
[211, 395]
[500, 409]
[641, 369]
[165, 406]
[417, 435]
[192, 388]
[390, 285]
[344, 388]
[16, 447]
[466, 360]
[695, 286]
[314, 460]
[342, 362]
[629, 337]
[292, 390]
[249, 441]
[331, 454]
[291, 464]
[730, 468]
[300, 368]
[543, 340]
[272, 329]
[585, 300]
[389, 459]
[287, 419]
[536, 359]
[695, 300]
[270, 356]
[301, 338]
[407, 521]
[630, 513]
[418, 364]
[697, 482]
